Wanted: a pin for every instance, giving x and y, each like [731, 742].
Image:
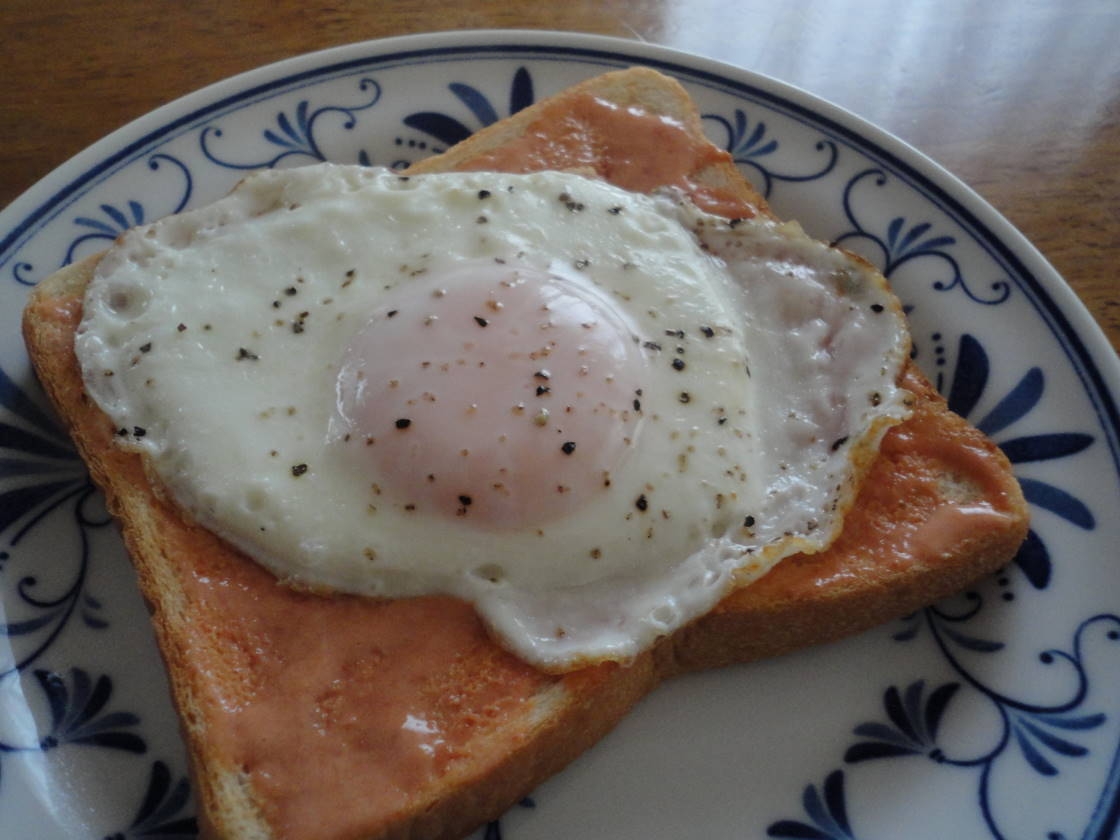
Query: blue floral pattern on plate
[1007, 688]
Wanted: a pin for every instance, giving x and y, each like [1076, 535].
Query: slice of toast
[311, 716]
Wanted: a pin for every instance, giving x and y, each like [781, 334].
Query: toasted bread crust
[870, 579]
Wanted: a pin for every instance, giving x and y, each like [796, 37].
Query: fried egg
[588, 412]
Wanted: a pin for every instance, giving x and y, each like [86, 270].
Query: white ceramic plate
[996, 714]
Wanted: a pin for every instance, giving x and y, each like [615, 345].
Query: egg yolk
[507, 396]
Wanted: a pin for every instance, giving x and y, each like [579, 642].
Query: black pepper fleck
[707, 331]
[569, 447]
[403, 423]
[836, 444]
[542, 390]
[748, 522]
[877, 307]
[243, 354]
[465, 500]
[291, 290]
[391, 313]
[482, 322]
[581, 264]
[181, 327]
[139, 431]
[678, 364]
[299, 469]
[483, 194]
[641, 503]
[684, 397]
[146, 348]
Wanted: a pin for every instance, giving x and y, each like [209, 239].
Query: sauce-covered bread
[417, 722]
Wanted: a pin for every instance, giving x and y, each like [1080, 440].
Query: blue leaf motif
[521, 93]
[898, 713]
[97, 225]
[20, 501]
[793, 829]
[272, 137]
[92, 621]
[116, 215]
[915, 234]
[303, 119]
[1077, 722]
[1033, 558]
[972, 643]
[12, 437]
[478, 104]
[75, 710]
[1035, 758]
[118, 220]
[747, 145]
[912, 624]
[970, 376]
[1058, 501]
[886, 734]
[900, 246]
[447, 130]
[57, 696]
[13, 398]
[1047, 447]
[1058, 745]
[295, 138]
[867, 750]
[893, 230]
[20, 628]
[1016, 405]
[157, 817]
[828, 813]
[834, 798]
[914, 722]
[936, 706]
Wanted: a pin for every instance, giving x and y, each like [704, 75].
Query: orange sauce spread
[341, 709]
[628, 147]
[344, 710]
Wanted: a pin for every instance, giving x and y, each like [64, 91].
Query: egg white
[749, 453]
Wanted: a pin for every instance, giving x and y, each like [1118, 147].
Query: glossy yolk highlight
[504, 396]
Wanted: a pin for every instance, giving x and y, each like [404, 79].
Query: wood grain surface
[1018, 98]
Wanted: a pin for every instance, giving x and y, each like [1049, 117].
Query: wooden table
[1019, 98]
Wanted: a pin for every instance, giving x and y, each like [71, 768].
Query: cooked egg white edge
[562, 609]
